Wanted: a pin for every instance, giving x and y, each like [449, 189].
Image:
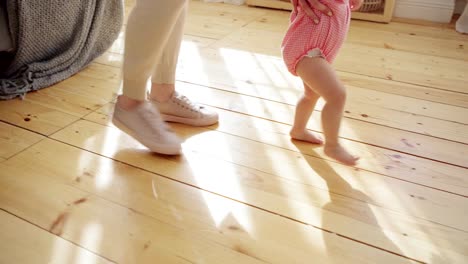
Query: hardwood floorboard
[133, 216]
[26, 243]
[75, 189]
[297, 182]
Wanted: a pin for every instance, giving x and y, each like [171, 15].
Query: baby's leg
[304, 108]
[320, 76]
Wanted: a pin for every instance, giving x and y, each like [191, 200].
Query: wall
[431, 10]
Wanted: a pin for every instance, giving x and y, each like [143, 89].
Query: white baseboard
[430, 10]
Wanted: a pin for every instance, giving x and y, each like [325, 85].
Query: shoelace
[190, 105]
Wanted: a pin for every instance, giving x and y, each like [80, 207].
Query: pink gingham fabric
[304, 35]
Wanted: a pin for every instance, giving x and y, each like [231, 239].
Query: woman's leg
[149, 28]
[163, 78]
[173, 106]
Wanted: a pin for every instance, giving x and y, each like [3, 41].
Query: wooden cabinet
[383, 15]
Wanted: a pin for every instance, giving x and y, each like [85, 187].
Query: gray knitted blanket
[54, 39]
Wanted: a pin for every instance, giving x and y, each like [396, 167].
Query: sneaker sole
[189, 121]
[158, 149]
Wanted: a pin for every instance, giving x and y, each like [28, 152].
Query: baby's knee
[310, 95]
[338, 96]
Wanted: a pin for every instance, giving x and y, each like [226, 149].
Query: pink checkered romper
[305, 38]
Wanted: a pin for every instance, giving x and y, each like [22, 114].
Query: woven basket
[371, 5]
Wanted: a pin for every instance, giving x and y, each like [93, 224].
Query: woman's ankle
[161, 92]
[127, 103]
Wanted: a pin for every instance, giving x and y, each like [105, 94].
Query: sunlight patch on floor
[191, 59]
[222, 179]
[104, 169]
[260, 72]
[91, 237]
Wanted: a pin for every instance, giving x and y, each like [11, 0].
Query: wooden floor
[74, 189]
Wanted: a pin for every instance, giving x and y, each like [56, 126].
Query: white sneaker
[144, 123]
[180, 109]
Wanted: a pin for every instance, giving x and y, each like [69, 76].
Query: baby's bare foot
[306, 135]
[341, 154]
